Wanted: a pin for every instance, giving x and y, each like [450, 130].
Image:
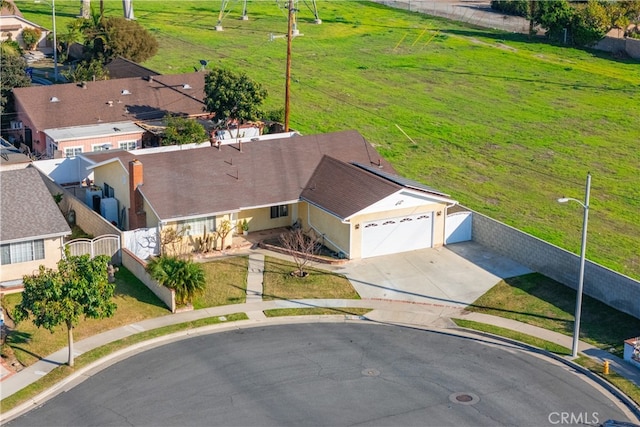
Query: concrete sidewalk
[432, 315]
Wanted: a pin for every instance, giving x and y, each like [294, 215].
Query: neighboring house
[66, 119]
[12, 24]
[336, 184]
[32, 228]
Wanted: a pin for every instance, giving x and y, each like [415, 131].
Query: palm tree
[185, 277]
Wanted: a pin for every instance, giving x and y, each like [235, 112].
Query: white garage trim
[400, 234]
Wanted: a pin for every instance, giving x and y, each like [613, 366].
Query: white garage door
[393, 235]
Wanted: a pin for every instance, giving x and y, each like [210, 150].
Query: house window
[107, 191]
[52, 147]
[101, 147]
[72, 151]
[14, 253]
[197, 227]
[128, 145]
[279, 211]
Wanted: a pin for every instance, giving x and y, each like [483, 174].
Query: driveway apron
[453, 275]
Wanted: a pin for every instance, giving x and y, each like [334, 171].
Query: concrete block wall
[612, 288]
[138, 267]
[619, 44]
[632, 47]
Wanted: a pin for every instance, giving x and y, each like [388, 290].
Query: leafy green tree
[554, 16]
[184, 276]
[590, 23]
[623, 13]
[181, 130]
[78, 288]
[13, 74]
[511, 7]
[233, 97]
[86, 71]
[128, 39]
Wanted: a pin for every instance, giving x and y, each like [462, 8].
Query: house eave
[36, 237]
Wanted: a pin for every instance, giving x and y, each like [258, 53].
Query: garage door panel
[400, 234]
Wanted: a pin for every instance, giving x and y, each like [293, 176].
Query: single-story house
[64, 120]
[12, 24]
[335, 184]
[32, 228]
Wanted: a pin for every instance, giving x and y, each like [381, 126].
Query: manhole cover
[464, 398]
[370, 372]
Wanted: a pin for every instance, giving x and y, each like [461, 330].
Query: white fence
[143, 242]
[108, 244]
[458, 227]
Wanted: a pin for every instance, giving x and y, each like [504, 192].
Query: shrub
[31, 36]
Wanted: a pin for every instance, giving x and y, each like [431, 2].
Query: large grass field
[502, 124]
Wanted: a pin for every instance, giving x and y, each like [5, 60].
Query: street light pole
[55, 42]
[287, 87]
[583, 247]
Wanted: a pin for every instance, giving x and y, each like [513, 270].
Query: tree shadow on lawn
[129, 285]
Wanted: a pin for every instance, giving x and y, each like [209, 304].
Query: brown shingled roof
[122, 68]
[344, 189]
[206, 180]
[132, 99]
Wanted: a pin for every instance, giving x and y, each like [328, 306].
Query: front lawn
[226, 282]
[135, 303]
[280, 284]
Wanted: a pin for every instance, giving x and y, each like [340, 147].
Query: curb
[630, 404]
[122, 354]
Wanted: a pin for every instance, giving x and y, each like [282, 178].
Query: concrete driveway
[453, 275]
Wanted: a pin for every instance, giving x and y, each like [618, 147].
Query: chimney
[137, 215]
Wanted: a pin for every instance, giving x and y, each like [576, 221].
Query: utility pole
[288, 73]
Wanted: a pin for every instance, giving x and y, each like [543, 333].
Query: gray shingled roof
[344, 189]
[206, 180]
[142, 99]
[405, 182]
[27, 208]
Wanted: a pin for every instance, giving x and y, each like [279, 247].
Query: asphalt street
[329, 374]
